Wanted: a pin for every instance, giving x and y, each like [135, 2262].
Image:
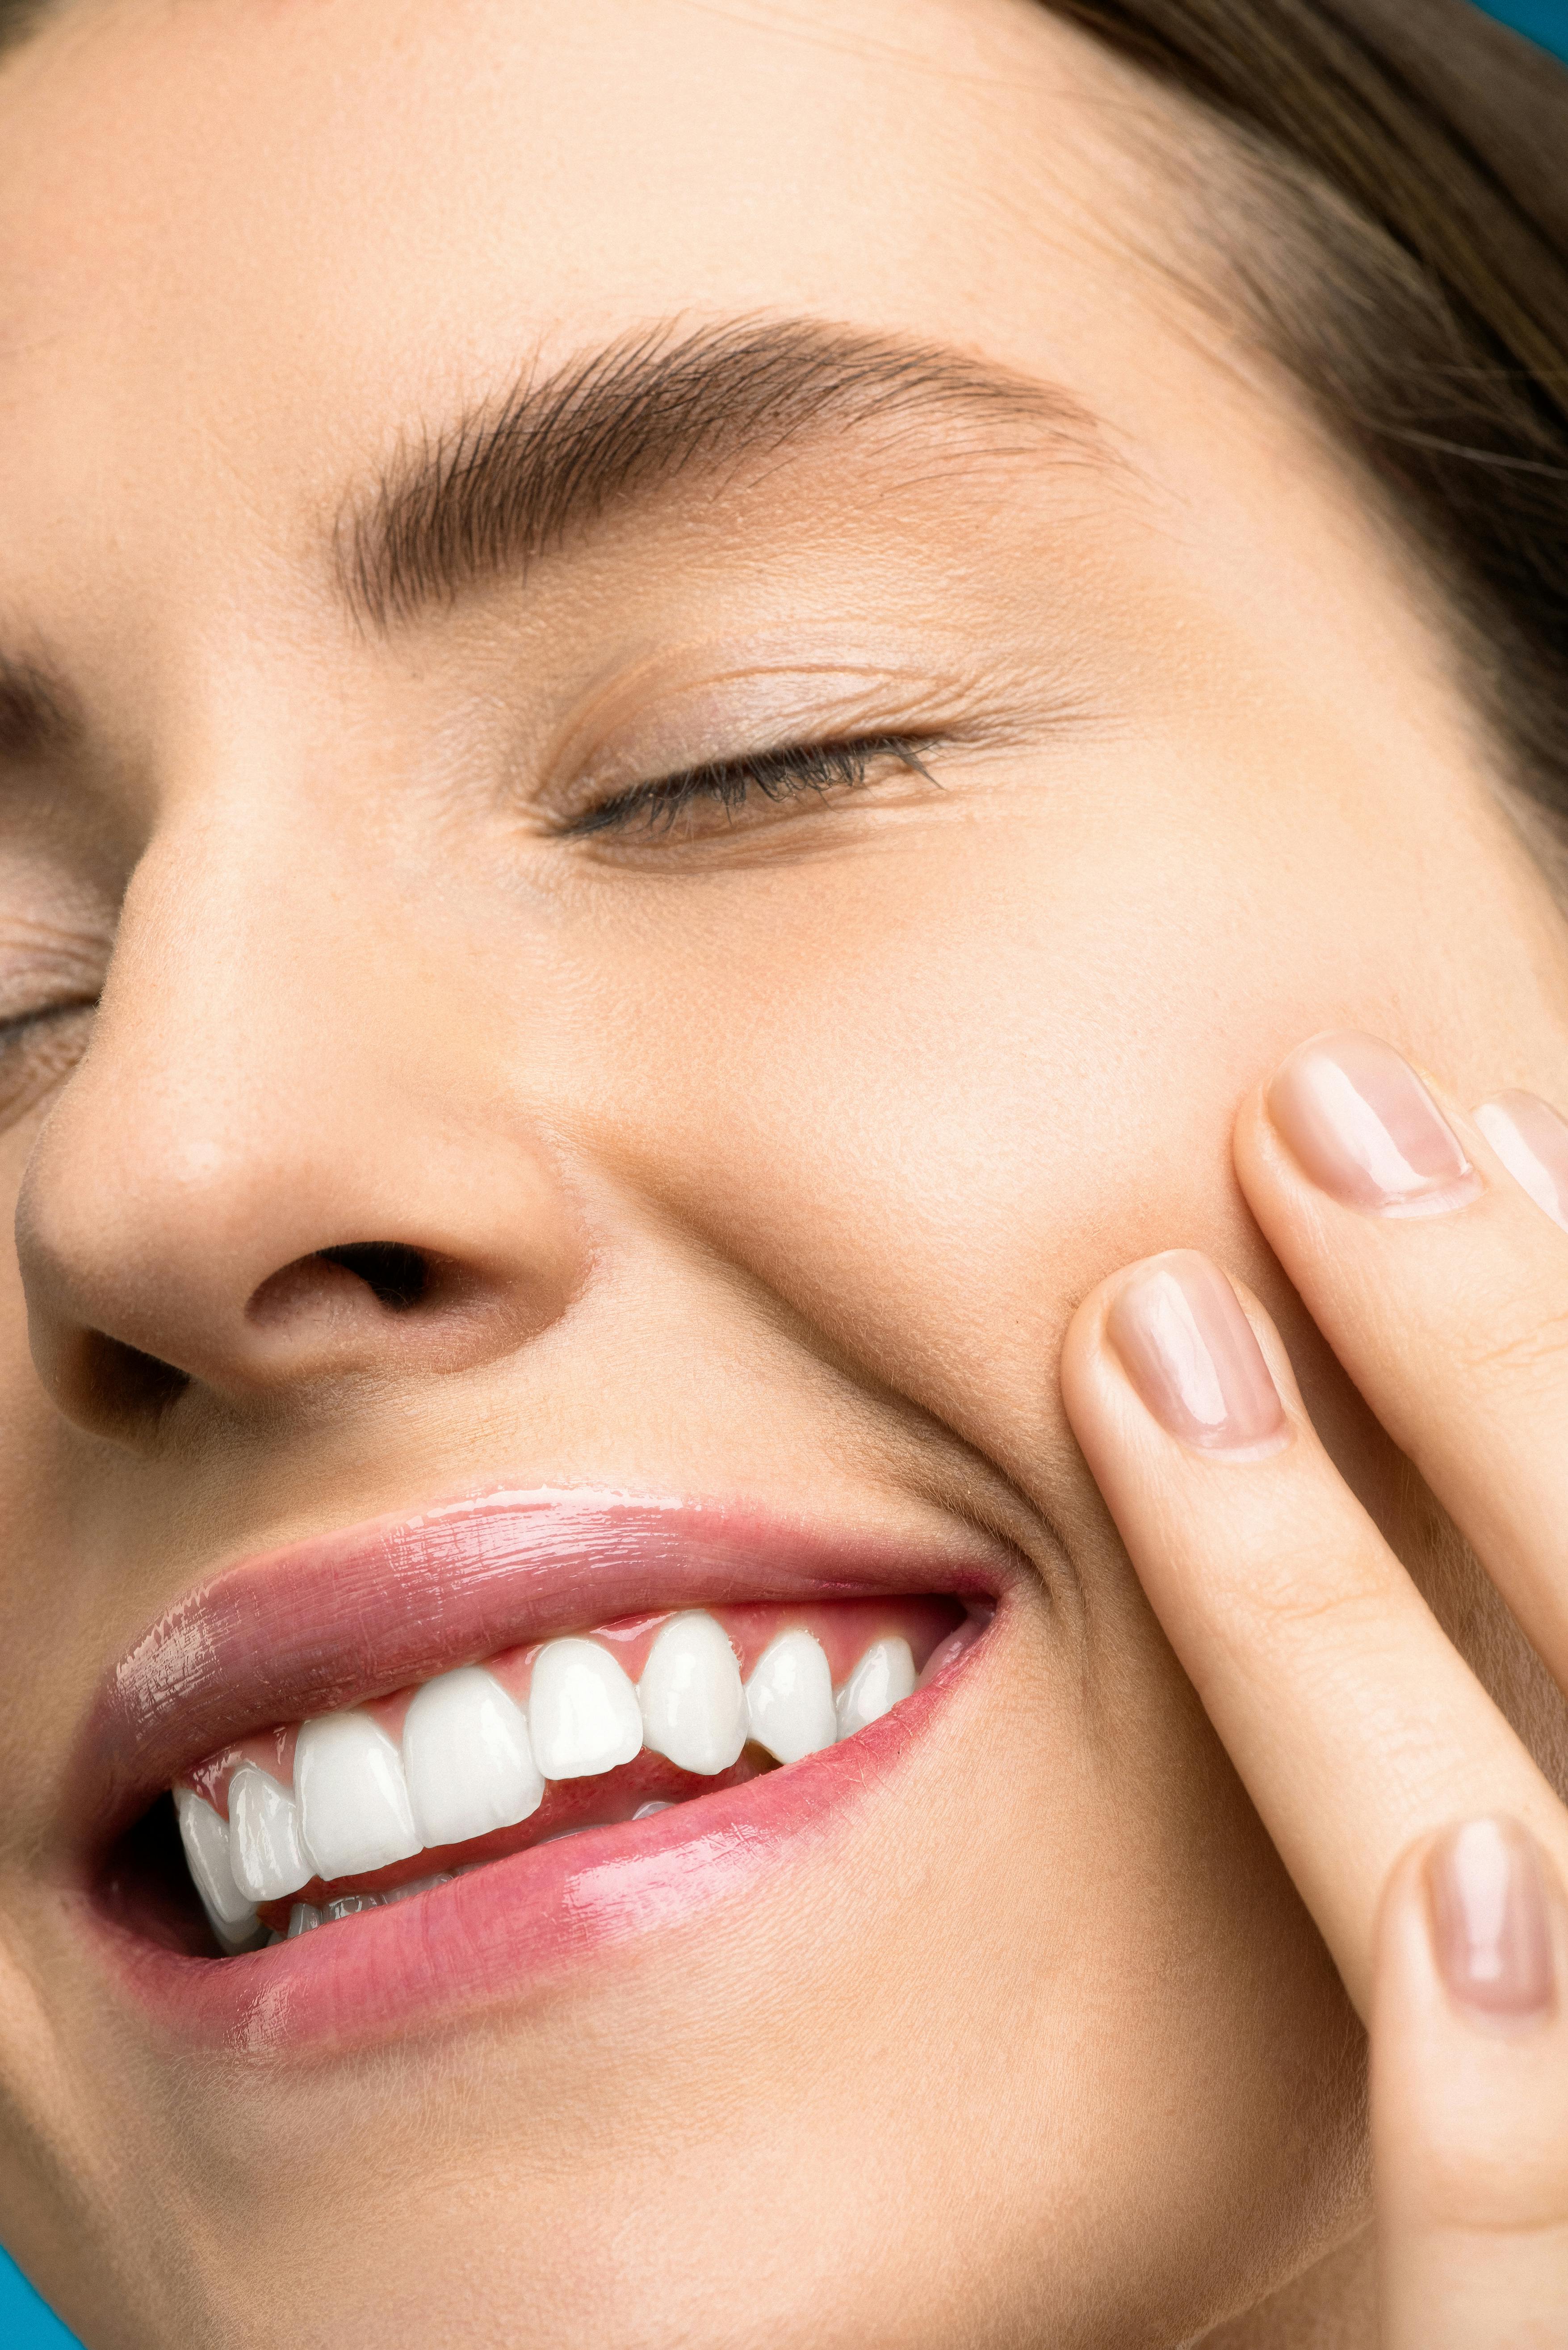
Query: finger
[1442, 1287]
[1354, 1723]
[1469, 2095]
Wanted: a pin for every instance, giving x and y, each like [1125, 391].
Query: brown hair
[1408, 260]
[1409, 265]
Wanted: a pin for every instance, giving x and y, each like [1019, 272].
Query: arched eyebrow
[482, 497]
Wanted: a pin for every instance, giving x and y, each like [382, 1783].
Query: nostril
[331, 1279]
[399, 1276]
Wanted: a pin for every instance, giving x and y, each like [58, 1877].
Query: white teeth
[473, 1760]
[264, 1850]
[354, 1812]
[583, 1714]
[884, 1676]
[789, 1698]
[467, 1760]
[693, 1707]
[205, 1836]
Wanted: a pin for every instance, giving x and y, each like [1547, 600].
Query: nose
[290, 1155]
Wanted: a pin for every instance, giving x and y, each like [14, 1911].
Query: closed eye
[794, 771]
[38, 1050]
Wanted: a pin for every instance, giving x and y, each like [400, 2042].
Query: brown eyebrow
[509, 480]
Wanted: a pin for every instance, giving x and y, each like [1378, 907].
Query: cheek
[931, 1089]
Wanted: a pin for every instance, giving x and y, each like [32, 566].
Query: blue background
[25, 2323]
[1546, 19]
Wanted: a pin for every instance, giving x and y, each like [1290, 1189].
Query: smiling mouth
[395, 1720]
[363, 1807]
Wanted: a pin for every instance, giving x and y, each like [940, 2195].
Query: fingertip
[1473, 1928]
[1531, 1142]
[1470, 2067]
[1488, 1892]
[1194, 1350]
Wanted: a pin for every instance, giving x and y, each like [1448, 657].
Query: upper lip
[345, 1617]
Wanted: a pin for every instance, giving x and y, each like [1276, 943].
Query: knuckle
[1288, 1592]
[1529, 1345]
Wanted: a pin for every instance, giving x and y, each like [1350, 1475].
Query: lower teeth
[303, 1917]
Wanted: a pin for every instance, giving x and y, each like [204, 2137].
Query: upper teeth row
[473, 1759]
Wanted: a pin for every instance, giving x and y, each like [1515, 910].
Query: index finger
[1356, 1725]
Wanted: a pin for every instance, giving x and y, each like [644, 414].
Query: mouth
[477, 1745]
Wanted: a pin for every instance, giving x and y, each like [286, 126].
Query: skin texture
[771, 1158]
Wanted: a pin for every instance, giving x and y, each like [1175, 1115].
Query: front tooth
[693, 1707]
[884, 1676]
[264, 1850]
[789, 1698]
[583, 1714]
[205, 1836]
[467, 1760]
[303, 1918]
[354, 1812]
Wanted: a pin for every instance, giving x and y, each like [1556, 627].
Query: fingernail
[1188, 1350]
[1363, 1125]
[1492, 1936]
[1532, 1141]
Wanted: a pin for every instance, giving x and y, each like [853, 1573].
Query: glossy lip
[515, 1930]
[354, 1615]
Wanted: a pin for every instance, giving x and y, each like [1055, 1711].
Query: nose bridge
[212, 1036]
[273, 1102]
[260, 995]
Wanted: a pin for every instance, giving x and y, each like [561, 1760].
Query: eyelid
[766, 771]
[45, 970]
[685, 707]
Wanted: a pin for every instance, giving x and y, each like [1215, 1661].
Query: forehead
[236, 234]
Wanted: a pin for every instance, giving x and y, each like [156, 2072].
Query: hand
[1425, 1842]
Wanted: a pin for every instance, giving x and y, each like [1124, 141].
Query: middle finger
[1441, 1285]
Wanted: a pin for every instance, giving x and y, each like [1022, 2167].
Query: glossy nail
[1491, 1935]
[1532, 1141]
[1359, 1122]
[1188, 1350]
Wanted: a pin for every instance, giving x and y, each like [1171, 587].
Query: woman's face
[427, 425]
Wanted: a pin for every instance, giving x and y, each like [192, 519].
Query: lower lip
[520, 1926]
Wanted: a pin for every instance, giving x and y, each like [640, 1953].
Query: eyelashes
[794, 771]
[38, 1050]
